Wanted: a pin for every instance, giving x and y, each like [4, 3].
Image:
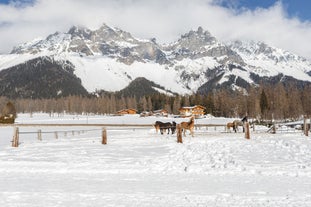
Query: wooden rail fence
[102, 127]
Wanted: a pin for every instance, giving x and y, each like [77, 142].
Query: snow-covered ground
[141, 168]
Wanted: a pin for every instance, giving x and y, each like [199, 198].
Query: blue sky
[285, 23]
[16, 1]
[295, 8]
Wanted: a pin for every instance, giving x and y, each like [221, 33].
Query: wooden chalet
[127, 111]
[145, 114]
[197, 111]
[160, 112]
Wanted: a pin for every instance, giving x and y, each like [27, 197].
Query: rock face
[110, 59]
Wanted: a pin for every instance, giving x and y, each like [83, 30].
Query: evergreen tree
[149, 104]
[209, 104]
[176, 105]
[263, 103]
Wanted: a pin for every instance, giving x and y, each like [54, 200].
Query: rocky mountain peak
[195, 40]
[107, 34]
[196, 60]
[80, 32]
[200, 43]
[264, 51]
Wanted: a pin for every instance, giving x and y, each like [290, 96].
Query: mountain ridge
[110, 59]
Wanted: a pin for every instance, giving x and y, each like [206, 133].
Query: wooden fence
[102, 127]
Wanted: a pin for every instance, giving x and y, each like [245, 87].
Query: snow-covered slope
[109, 59]
[265, 60]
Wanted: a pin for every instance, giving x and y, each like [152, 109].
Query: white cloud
[165, 20]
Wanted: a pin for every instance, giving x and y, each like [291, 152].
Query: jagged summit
[110, 59]
[80, 32]
[196, 39]
[262, 49]
[200, 43]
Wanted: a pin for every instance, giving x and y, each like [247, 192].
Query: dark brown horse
[165, 126]
[188, 126]
[173, 128]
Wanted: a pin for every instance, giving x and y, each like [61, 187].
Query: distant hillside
[138, 88]
[40, 78]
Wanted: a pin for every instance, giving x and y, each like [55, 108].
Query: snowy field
[141, 168]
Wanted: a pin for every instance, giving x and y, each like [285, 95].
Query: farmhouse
[127, 111]
[145, 114]
[196, 111]
[160, 112]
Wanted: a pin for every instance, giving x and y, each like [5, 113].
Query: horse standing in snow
[238, 123]
[188, 126]
[229, 125]
[173, 128]
[165, 126]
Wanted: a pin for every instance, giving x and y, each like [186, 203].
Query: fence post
[179, 134]
[104, 136]
[39, 135]
[247, 134]
[56, 135]
[273, 129]
[305, 126]
[15, 137]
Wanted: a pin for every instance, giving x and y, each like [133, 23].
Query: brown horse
[188, 126]
[238, 123]
[229, 125]
[158, 125]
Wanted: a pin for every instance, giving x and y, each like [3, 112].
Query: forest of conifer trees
[264, 102]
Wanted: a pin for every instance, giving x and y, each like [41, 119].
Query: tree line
[263, 102]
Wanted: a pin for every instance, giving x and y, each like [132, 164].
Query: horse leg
[156, 128]
[172, 130]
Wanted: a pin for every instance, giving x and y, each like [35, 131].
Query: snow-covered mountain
[110, 59]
